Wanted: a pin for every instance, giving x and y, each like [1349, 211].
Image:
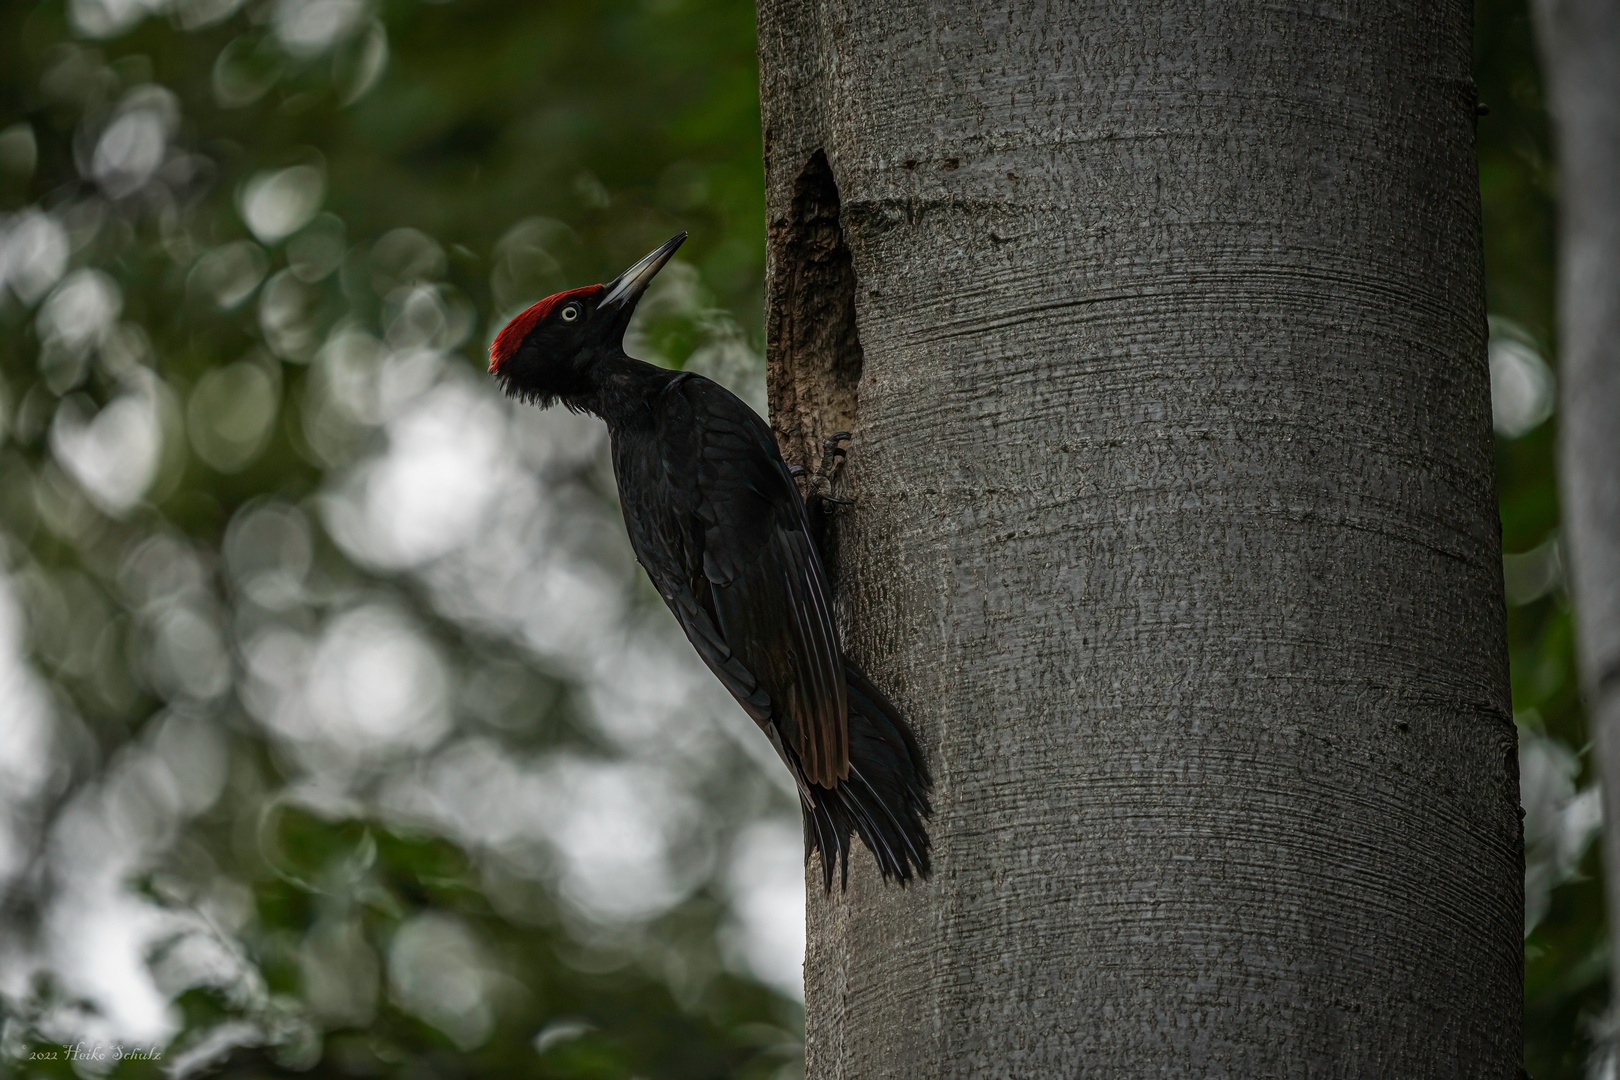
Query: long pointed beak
[627, 288]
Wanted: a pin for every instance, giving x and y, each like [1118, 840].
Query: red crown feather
[507, 341]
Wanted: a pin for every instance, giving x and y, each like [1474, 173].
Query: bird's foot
[832, 458]
[832, 455]
[818, 485]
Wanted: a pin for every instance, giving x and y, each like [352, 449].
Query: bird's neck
[620, 390]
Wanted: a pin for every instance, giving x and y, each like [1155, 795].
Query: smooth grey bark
[1160, 328]
[1580, 52]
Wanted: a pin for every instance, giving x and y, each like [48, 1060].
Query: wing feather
[728, 547]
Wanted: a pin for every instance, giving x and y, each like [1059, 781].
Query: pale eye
[570, 313]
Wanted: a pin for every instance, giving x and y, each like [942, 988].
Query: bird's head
[548, 352]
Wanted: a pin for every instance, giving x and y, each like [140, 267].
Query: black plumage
[716, 520]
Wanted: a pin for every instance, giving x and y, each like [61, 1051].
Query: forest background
[339, 733]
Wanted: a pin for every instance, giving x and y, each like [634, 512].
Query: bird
[716, 520]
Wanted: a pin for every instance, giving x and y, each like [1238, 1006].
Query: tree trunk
[1580, 50]
[1160, 328]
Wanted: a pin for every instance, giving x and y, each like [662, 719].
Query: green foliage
[337, 206]
[561, 1011]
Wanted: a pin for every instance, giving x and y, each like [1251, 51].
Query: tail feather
[883, 800]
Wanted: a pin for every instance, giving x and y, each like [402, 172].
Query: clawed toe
[831, 454]
[818, 498]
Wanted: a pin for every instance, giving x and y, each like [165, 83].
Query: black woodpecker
[717, 522]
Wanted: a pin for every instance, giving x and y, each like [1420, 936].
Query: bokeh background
[339, 733]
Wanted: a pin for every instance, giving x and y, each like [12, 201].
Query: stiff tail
[884, 799]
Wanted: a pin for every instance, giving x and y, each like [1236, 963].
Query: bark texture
[1175, 533]
[1580, 50]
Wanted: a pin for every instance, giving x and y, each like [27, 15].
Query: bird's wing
[661, 515]
[739, 570]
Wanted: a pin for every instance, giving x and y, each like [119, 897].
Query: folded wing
[730, 552]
